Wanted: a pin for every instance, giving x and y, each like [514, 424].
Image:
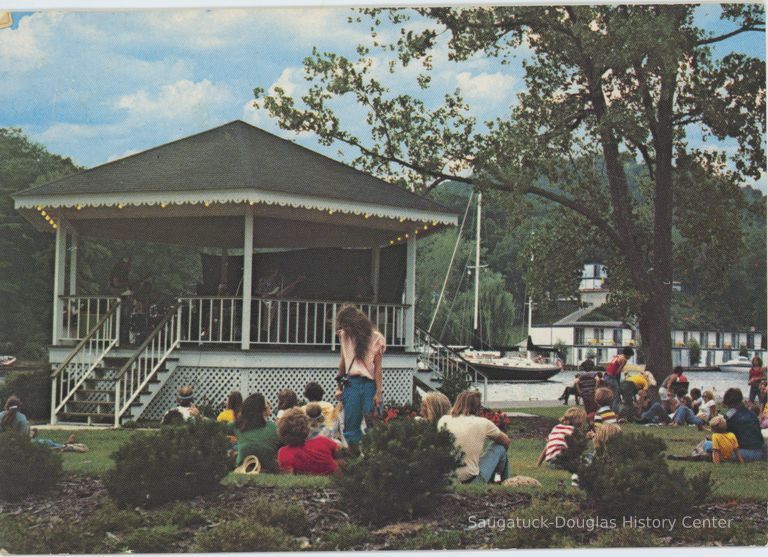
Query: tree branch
[733, 33]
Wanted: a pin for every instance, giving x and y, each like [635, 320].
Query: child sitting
[318, 425]
[604, 414]
[725, 446]
[302, 455]
[557, 441]
[286, 399]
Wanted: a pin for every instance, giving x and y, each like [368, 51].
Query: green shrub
[626, 537]
[535, 526]
[156, 539]
[694, 352]
[345, 538]
[181, 515]
[243, 535]
[290, 518]
[27, 468]
[17, 536]
[34, 390]
[33, 351]
[429, 540]
[403, 466]
[629, 476]
[111, 519]
[175, 463]
[454, 382]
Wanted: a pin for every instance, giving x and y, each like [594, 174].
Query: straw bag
[250, 465]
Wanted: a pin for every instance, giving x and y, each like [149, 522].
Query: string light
[120, 205]
[78, 207]
[367, 215]
[43, 213]
[163, 205]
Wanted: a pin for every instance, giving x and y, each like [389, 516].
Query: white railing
[445, 362]
[280, 321]
[142, 366]
[81, 314]
[211, 319]
[84, 358]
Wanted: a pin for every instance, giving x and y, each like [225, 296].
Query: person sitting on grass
[314, 393]
[318, 426]
[557, 440]
[708, 407]
[186, 407]
[604, 413]
[434, 406]
[724, 445]
[12, 419]
[482, 460]
[234, 402]
[697, 399]
[286, 399]
[685, 415]
[745, 425]
[301, 455]
[650, 407]
[255, 434]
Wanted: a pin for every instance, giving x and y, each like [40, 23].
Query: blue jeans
[751, 455]
[357, 398]
[655, 414]
[494, 461]
[684, 415]
[613, 384]
[48, 443]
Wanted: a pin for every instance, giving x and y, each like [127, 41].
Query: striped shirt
[556, 442]
[587, 384]
[605, 415]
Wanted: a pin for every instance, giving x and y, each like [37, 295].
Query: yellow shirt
[226, 416]
[726, 443]
[640, 382]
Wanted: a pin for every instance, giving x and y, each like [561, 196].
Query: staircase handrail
[86, 339]
[141, 381]
[435, 343]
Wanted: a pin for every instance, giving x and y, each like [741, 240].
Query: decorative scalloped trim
[262, 198]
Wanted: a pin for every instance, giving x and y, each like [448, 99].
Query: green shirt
[261, 441]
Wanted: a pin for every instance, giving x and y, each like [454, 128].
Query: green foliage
[34, 390]
[629, 476]
[285, 516]
[537, 525]
[27, 468]
[743, 350]
[429, 540]
[626, 537]
[694, 352]
[154, 539]
[178, 462]
[347, 537]
[21, 536]
[109, 518]
[243, 535]
[403, 466]
[454, 382]
[181, 515]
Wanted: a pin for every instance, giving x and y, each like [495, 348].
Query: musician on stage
[119, 277]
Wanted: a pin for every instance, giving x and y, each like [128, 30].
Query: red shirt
[755, 375]
[315, 456]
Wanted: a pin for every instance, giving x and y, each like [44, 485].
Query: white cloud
[179, 99]
[489, 87]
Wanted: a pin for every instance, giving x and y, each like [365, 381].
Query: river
[550, 390]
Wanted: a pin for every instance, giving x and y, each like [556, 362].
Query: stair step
[87, 415]
[92, 402]
[96, 391]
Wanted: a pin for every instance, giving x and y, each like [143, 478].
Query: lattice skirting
[214, 384]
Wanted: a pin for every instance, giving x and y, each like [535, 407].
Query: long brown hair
[286, 399]
[434, 406]
[357, 326]
[11, 408]
[467, 403]
[234, 402]
[251, 414]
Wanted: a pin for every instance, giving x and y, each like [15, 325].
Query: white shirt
[471, 433]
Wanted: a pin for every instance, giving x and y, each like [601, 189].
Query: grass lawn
[731, 480]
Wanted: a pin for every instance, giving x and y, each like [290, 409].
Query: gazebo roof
[234, 156]
[195, 191]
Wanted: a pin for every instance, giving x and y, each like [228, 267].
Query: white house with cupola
[588, 328]
[317, 233]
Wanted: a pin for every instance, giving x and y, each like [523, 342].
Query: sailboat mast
[477, 261]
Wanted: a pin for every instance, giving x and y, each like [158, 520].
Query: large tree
[604, 84]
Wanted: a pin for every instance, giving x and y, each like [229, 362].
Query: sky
[96, 86]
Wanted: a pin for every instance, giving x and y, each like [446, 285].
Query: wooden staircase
[95, 387]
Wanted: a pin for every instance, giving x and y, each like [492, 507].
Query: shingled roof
[234, 156]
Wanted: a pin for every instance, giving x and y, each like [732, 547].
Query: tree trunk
[656, 338]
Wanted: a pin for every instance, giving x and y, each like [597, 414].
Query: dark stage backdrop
[330, 273]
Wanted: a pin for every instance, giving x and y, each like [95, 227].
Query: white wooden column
[410, 292]
[73, 246]
[59, 269]
[375, 268]
[245, 340]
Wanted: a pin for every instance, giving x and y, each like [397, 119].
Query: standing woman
[359, 377]
[756, 376]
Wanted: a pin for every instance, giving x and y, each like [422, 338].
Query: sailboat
[498, 365]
